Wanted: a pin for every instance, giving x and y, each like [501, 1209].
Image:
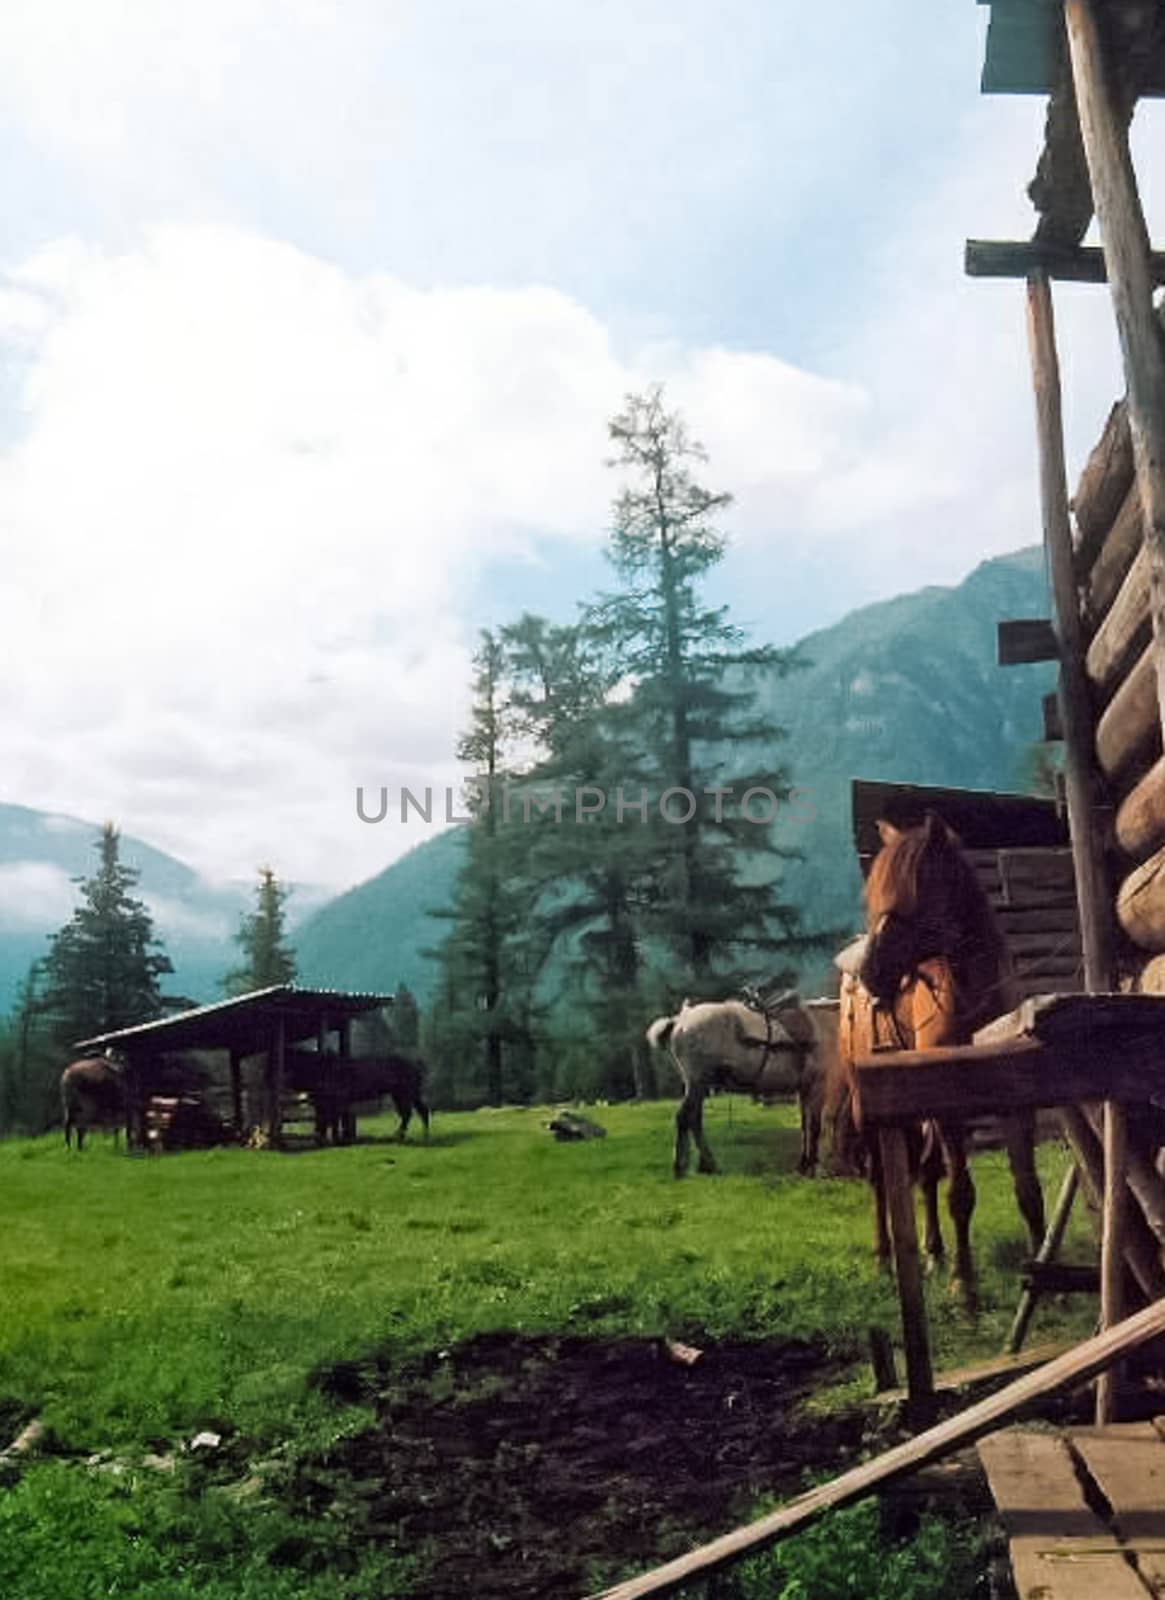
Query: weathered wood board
[1060, 1549]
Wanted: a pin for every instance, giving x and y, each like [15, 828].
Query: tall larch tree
[690, 701]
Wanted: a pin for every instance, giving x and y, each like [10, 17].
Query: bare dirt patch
[534, 1468]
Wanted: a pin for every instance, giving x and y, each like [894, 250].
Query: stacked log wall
[1112, 570]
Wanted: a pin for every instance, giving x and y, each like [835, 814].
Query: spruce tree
[103, 966]
[589, 875]
[267, 958]
[715, 905]
[484, 958]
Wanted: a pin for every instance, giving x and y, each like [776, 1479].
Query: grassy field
[147, 1300]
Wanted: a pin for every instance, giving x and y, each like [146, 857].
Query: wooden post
[1081, 778]
[1112, 1247]
[275, 1075]
[1048, 1251]
[237, 1091]
[1125, 239]
[904, 1235]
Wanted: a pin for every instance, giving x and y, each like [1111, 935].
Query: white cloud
[250, 505]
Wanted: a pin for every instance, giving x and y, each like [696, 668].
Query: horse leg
[404, 1110]
[1020, 1136]
[881, 1210]
[681, 1153]
[930, 1171]
[961, 1204]
[810, 1131]
[423, 1113]
[707, 1161]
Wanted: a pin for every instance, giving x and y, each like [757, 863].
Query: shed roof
[244, 1022]
[1025, 44]
[983, 819]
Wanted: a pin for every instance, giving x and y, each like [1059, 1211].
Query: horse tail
[660, 1032]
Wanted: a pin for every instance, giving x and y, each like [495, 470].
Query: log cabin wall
[1112, 572]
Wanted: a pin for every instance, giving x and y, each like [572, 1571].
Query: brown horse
[933, 969]
[338, 1084]
[93, 1094]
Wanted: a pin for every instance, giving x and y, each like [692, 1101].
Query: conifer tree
[589, 876]
[689, 671]
[267, 957]
[484, 957]
[103, 966]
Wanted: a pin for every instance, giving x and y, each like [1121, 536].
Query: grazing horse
[93, 1094]
[336, 1084]
[931, 970]
[726, 1044]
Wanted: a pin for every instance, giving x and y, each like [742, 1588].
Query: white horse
[726, 1044]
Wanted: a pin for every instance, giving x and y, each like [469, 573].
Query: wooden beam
[1140, 903]
[1102, 491]
[1131, 725]
[237, 1092]
[1142, 1252]
[1125, 240]
[1125, 630]
[1048, 1251]
[899, 1191]
[276, 1066]
[1115, 556]
[1081, 779]
[1020, 640]
[1067, 1371]
[1140, 818]
[991, 258]
[1053, 727]
[980, 1080]
[1112, 1240]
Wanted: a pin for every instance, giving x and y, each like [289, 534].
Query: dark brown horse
[338, 1084]
[934, 969]
[93, 1094]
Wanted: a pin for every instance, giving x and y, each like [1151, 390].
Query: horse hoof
[964, 1292]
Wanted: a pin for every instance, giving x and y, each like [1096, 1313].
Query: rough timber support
[1125, 241]
[1081, 778]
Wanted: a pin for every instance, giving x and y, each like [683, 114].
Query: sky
[312, 314]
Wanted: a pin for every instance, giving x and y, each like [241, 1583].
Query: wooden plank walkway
[1084, 1509]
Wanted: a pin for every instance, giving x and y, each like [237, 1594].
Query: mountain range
[906, 690]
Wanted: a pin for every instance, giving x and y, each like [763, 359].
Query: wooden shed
[257, 1032]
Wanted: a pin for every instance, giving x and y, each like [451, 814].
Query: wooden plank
[1053, 727]
[1125, 240]
[1127, 1462]
[899, 1192]
[1007, 258]
[1008, 1365]
[1021, 640]
[1125, 630]
[1078, 1366]
[1112, 1237]
[1048, 1251]
[1103, 487]
[1060, 1549]
[1116, 556]
[1037, 919]
[1130, 727]
[1140, 903]
[1140, 817]
[976, 1080]
[1058, 1277]
[1141, 1250]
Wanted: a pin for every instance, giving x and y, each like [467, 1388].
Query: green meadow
[147, 1300]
